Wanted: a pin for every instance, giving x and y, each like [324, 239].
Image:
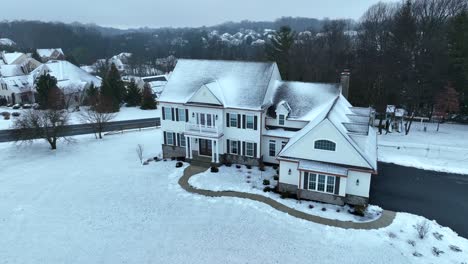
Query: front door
[205, 147]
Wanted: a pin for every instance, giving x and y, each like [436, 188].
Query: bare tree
[422, 228]
[97, 118]
[139, 151]
[49, 125]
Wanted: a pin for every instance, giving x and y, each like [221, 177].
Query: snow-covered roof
[7, 42]
[19, 84]
[10, 70]
[66, 73]
[48, 52]
[11, 57]
[279, 132]
[303, 99]
[316, 166]
[237, 84]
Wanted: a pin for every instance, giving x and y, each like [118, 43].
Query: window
[320, 182]
[325, 145]
[249, 149]
[170, 138]
[181, 115]
[233, 120]
[182, 141]
[250, 121]
[283, 144]
[281, 120]
[234, 147]
[167, 113]
[272, 149]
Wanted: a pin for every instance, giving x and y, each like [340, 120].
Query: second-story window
[181, 113]
[272, 148]
[249, 122]
[167, 113]
[281, 119]
[233, 120]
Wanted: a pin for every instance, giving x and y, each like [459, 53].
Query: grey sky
[177, 13]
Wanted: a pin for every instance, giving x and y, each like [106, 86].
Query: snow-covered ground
[445, 150]
[251, 181]
[92, 202]
[126, 113]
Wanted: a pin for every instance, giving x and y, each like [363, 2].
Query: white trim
[316, 175]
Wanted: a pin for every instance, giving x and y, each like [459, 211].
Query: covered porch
[203, 148]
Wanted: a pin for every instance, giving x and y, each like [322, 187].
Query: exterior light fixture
[357, 182]
[193, 114]
[289, 172]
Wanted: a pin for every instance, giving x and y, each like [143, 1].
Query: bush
[275, 167]
[261, 168]
[228, 164]
[266, 182]
[179, 164]
[214, 169]
[422, 228]
[156, 159]
[267, 189]
[276, 177]
[16, 106]
[238, 166]
[16, 114]
[455, 248]
[5, 113]
[311, 206]
[173, 158]
[180, 159]
[411, 242]
[249, 167]
[338, 210]
[359, 210]
[7, 116]
[436, 252]
[324, 209]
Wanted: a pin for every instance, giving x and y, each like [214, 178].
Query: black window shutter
[255, 150]
[243, 121]
[173, 116]
[227, 119]
[186, 115]
[255, 122]
[238, 147]
[173, 138]
[243, 148]
[228, 146]
[165, 138]
[177, 114]
[306, 181]
[337, 185]
[238, 120]
[178, 139]
[163, 114]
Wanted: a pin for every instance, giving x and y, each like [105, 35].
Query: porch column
[190, 149]
[217, 151]
[187, 145]
[213, 154]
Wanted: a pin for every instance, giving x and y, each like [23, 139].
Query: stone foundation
[323, 197]
[172, 151]
[237, 159]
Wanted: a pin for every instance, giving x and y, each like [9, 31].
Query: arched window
[325, 145]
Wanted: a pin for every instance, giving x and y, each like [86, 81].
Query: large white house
[242, 112]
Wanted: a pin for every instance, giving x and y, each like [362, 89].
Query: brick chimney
[345, 75]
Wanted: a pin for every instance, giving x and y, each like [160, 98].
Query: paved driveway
[435, 195]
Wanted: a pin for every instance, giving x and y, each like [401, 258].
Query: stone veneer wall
[170, 151]
[237, 159]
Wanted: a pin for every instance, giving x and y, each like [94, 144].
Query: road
[434, 195]
[80, 129]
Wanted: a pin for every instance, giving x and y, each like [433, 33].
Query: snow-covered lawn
[251, 181]
[126, 113]
[92, 202]
[445, 150]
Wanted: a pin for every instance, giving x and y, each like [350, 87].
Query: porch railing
[202, 129]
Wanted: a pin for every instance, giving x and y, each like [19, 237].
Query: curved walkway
[385, 219]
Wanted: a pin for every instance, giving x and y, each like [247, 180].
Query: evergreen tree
[278, 49]
[45, 86]
[133, 96]
[92, 95]
[113, 89]
[148, 101]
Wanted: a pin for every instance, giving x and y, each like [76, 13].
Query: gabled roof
[11, 70]
[239, 84]
[48, 52]
[11, 57]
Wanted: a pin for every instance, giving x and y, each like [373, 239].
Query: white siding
[249, 135]
[287, 124]
[266, 148]
[204, 95]
[343, 183]
[364, 183]
[284, 176]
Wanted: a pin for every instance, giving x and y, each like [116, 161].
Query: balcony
[203, 130]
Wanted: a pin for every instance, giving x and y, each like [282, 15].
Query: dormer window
[325, 145]
[281, 119]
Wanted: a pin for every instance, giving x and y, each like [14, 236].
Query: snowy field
[126, 113]
[445, 150]
[92, 202]
[251, 181]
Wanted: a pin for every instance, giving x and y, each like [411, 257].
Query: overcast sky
[177, 13]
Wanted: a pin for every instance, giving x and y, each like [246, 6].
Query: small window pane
[321, 183]
[182, 115]
[182, 141]
[250, 121]
[234, 149]
[249, 149]
[325, 145]
[272, 150]
[233, 120]
[170, 138]
[168, 113]
[330, 184]
[312, 181]
[281, 120]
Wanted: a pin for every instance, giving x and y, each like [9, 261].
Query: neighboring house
[121, 61]
[16, 86]
[242, 112]
[50, 54]
[157, 83]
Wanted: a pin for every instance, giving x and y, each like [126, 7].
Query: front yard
[93, 202]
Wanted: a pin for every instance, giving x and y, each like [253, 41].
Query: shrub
[179, 164]
[145, 163]
[391, 235]
[214, 169]
[164, 159]
[324, 209]
[438, 235]
[228, 164]
[422, 228]
[249, 167]
[180, 158]
[5, 113]
[156, 159]
[338, 210]
[16, 114]
[276, 177]
[359, 210]
[266, 182]
[238, 166]
[417, 254]
[436, 252]
[7, 117]
[248, 177]
[411, 242]
[173, 158]
[455, 248]
[262, 168]
[311, 206]
[267, 189]
[275, 167]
